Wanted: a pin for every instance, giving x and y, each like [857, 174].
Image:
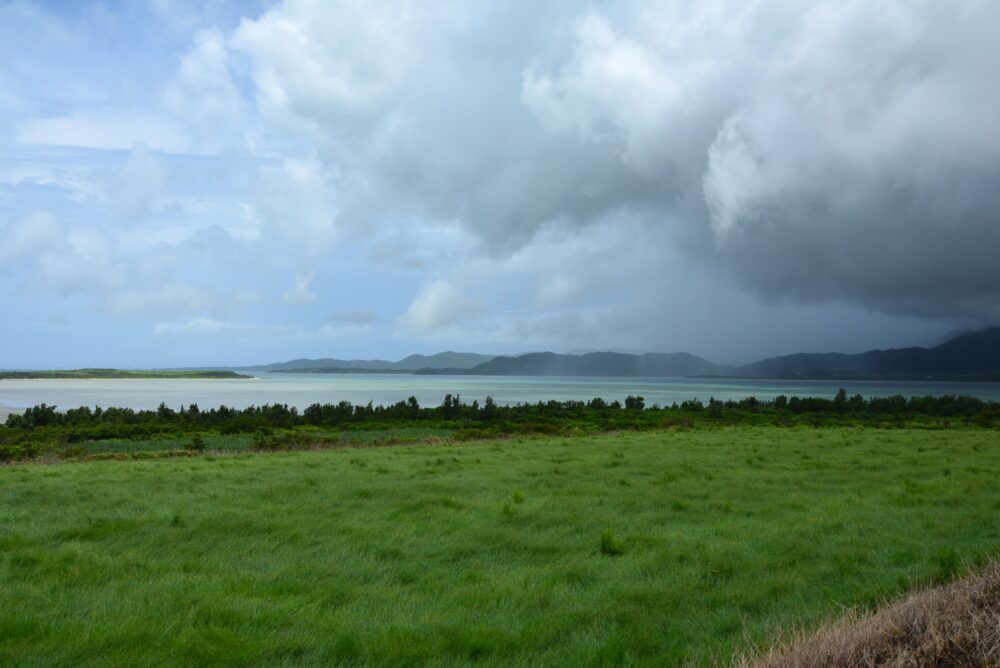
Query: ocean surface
[301, 390]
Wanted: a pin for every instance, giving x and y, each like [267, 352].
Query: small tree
[489, 408]
[840, 401]
[714, 408]
[635, 403]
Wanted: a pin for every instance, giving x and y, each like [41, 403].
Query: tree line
[454, 410]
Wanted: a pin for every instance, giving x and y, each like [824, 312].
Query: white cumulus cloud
[437, 305]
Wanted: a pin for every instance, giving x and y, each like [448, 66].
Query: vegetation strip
[43, 430]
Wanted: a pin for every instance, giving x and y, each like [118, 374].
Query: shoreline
[119, 374]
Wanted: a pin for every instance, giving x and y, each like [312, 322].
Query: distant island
[971, 356]
[590, 364]
[117, 373]
[334, 369]
[409, 364]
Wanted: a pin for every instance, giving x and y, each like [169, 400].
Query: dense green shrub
[18, 451]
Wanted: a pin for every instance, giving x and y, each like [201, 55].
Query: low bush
[19, 451]
[610, 544]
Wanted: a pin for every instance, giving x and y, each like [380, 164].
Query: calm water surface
[302, 390]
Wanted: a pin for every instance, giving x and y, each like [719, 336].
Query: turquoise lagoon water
[302, 390]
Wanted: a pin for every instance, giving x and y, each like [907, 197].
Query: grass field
[645, 548]
[236, 443]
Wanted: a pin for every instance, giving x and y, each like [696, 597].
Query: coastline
[121, 374]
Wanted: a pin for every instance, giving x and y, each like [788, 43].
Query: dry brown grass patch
[952, 625]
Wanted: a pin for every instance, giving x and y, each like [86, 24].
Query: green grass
[648, 548]
[224, 443]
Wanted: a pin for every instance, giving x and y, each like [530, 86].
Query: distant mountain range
[968, 356]
[971, 356]
[593, 364]
[445, 360]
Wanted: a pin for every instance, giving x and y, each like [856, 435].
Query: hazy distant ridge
[597, 364]
[969, 356]
[445, 360]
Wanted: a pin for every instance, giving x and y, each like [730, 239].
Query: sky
[221, 183]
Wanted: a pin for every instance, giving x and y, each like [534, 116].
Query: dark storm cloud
[818, 151]
[870, 173]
